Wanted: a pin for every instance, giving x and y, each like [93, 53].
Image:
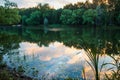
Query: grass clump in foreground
[115, 74]
[5, 75]
[93, 63]
[94, 56]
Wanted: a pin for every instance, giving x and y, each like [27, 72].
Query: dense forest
[99, 12]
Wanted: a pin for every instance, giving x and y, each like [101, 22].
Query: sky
[53, 3]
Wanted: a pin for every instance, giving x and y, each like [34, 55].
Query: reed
[115, 69]
[93, 55]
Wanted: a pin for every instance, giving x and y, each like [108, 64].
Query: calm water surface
[56, 52]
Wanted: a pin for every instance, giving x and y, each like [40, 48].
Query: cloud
[53, 3]
[54, 50]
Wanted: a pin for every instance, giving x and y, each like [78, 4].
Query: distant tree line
[100, 12]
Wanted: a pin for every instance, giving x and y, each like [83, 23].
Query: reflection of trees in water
[8, 43]
[105, 41]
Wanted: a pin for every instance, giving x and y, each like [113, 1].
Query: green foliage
[43, 11]
[55, 16]
[72, 16]
[9, 4]
[9, 15]
[2, 17]
[89, 16]
[49, 15]
[69, 6]
[5, 75]
[99, 12]
[43, 7]
[118, 19]
[34, 19]
[66, 16]
[24, 20]
[2, 64]
[77, 16]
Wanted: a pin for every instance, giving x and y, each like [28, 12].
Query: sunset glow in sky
[53, 3]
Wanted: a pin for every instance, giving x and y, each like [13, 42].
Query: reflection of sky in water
[55, 60]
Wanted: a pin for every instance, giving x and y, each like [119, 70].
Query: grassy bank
[7, 74]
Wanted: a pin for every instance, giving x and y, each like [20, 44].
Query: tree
[9, 4]
[9, 14]
[66, 16]
[79, 5]
[44, 7]
[2, 17]
[89, 16]
[77, 16]
[87, 4]
[24, 18]
[101, 14]
[118, 19]
[69, 6]
[55, 16]
[35, 18]
[48, 14]
[113, 8]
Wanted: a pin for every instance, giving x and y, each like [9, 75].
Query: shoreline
[7, 74]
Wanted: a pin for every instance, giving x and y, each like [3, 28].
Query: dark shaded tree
[35, 18]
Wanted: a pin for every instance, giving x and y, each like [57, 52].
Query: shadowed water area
[56, 52]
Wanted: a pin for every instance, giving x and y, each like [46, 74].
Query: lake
[57, 52]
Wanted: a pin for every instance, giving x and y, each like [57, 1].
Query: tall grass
[94, 56]
[93, 59]
[115, 69]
